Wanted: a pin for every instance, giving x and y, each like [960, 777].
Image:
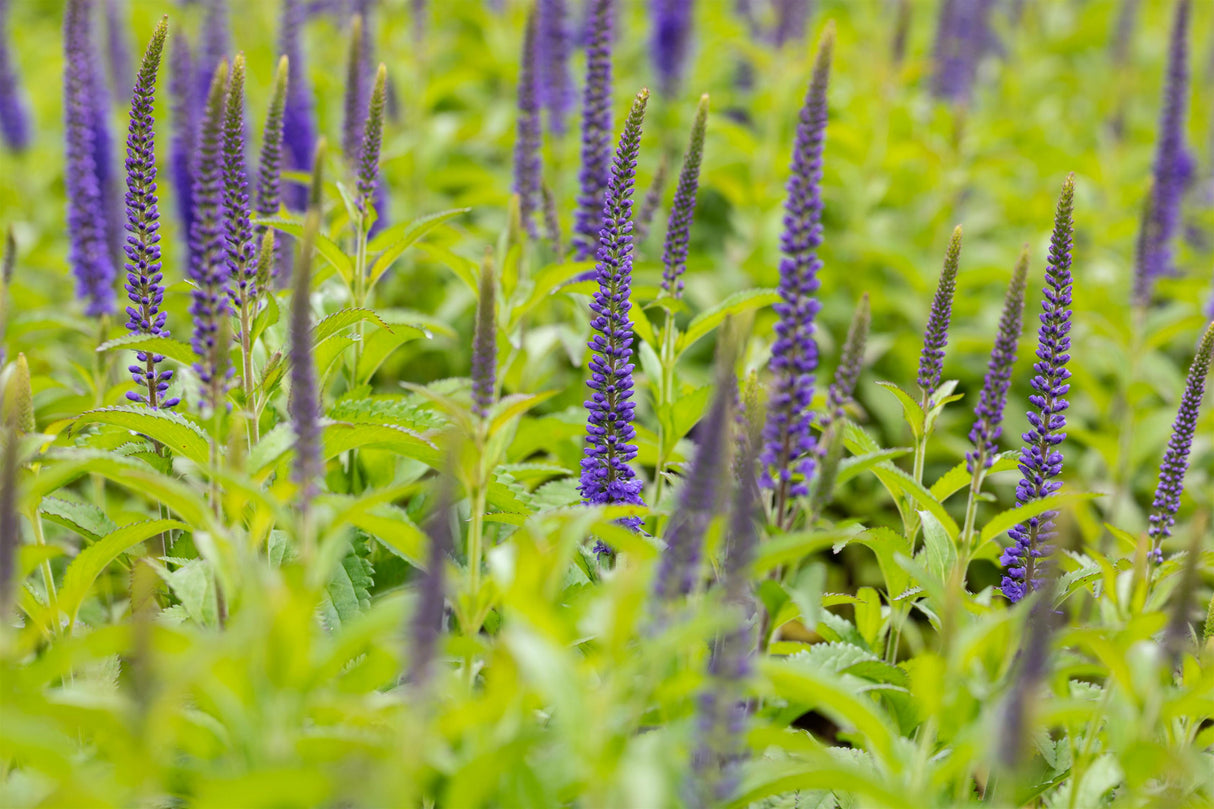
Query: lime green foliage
[170, 643]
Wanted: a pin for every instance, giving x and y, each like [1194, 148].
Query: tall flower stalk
[672, 21]
[269, 175]
[357, 92]
[14, 108]
[787, 456]
[1176, 458]
[988, 413]
[1041, 457]
[303, 403]
[208, 261]
[607, 474]
[86, 219]
[144, 287]
[484, 343]
[299, 128]
[527, 167]
[935, 337]
[183, 151]
[682, 211]
[838, 396]
[596, 129]
[1162, 221]
[555, 81]
[238, 229]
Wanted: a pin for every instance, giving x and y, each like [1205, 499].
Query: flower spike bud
[237, 226]
[1176, 458]
[552, 221]
[145, 282]
[184, 146]
[87, 224]
[678, 228]
[357, 94]
[208, 262]
[935, 338]
[596, 129]
[527, 166]
[1024, 563]
[555, 82]
[484, 341]
[426, 624]
[988, 414]
[652, 201]
[788, 454]
[607, 474]
[18, 398]
[10, 521]
[269, 174]
[303, 403]
[373, 135]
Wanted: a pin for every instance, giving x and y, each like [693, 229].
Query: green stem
[246, 369]
[665, 393]
[48, 578]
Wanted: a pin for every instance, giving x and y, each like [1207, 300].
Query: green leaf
[1014, 516]
[173, 349]
[546, 283]
[514, 406]
[896, 480]
[327, 248]
[850, 467]
[266, 318]
[957, 478]
[171, 429]
[348, 592]
[85, 519]
[703, 323]
[91, 561]
[912, 411]
[338, 321]
[412, 232]
[940, 550]
[342, 437]
[194, 587]
[392, 527]
[380, 344]
[687, 410]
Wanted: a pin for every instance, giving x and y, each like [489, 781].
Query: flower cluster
[935, 337]
[1041, 458]
[988, 414]
[237, 227]
[671, 42]
[144, 286]
[183, 153]
[269, 174]
[1176, 458]
[607, 476]
[596, 129]
[963, 34]
[682, 211]
[556, 90]
[789, 443]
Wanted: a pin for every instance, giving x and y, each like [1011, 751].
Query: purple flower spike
[699, 500]
[117, 54]
[678, 228]
[988, 414]
[1041, 458]
[214, 45]
[607, 476]
[556, 90]
[14, 110]
[1172, 164]
[298, 127]
[484, 343]
[787, 456]
[358, 91]
[935, 338]
[851, 363]
[652, 201]
[237, 228]
[963, 35]
[86, 217]
[596, 128]
[303, 403]
[426, 625]
[527, 167]
[373, 136]
[722, 708]
[1176, 458]
[792, 16]
[208, 265]
[671, 42]
[144, 286]
[183, 153]
[269, 176]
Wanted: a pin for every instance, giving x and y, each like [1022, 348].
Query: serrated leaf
[91, 561]
[894, 478]
[348, 592]
[411, 233]
[939, 547]
[194, 587]
[171, 429]
[703, 323]
[338, 321]
[392, 527]
[173, 349]
[912, 411]
[85, 519]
